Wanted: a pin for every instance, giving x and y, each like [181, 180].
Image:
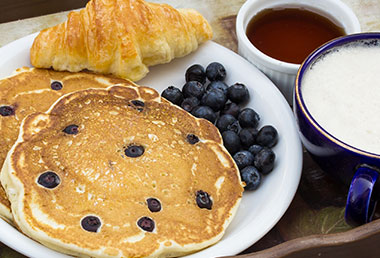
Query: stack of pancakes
[30, 90]
[98, 166]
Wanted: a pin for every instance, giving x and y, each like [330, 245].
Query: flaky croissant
[121, 37]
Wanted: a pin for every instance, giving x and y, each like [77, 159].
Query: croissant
[120, 37]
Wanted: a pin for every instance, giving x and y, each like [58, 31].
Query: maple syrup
[290, 34]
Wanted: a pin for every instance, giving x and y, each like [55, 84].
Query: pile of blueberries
[206, 95]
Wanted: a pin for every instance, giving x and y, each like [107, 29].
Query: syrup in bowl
[290, 34]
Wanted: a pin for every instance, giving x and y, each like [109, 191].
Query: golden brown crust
[98, 178]
[121, 37]
[30, 91]
[5, 211]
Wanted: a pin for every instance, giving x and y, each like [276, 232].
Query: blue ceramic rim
[304, 66]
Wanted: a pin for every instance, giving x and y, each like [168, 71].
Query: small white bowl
[283, 74]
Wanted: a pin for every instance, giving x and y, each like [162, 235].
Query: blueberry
[56, 85]
[173, 94]
[215, 99]
[91, 223]
[248, 118]
[255, 148]
[7, 111]
[146, 223]
[219, 85]
[138, 104]
[252, 178]
[225, 122]
[247, 136]
[154, 205]
[231, 109]
[49, 180]
[231, 141]
[243, 159]
[203, 200]
[189, 104]
[71, 129]
[196, 73]
[215, 72]
[235, 126]
[267, 136]
[193, 89]
[204, 112]
[238, 93]
[264, 160]
[134, 151]
[192, 139]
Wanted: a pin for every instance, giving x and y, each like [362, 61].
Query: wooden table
[311, 226]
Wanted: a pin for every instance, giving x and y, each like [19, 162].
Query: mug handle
[360, 206]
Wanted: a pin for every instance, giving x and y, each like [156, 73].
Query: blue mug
[356, 168]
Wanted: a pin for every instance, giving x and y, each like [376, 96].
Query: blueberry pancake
[121, 172]
[31, 90]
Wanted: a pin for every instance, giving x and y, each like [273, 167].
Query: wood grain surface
[20, 9]
[313, 226]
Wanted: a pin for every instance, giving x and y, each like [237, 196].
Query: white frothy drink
[341, 90]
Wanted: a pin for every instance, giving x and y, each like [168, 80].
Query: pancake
[121, 172]
[5, 206]
[30, 90]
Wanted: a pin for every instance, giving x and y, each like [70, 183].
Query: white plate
[260, 210]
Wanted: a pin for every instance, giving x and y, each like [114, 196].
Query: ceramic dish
[260, 210]
[283, 74]
[353, 166]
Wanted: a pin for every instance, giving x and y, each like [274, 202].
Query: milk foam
[342, 93]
